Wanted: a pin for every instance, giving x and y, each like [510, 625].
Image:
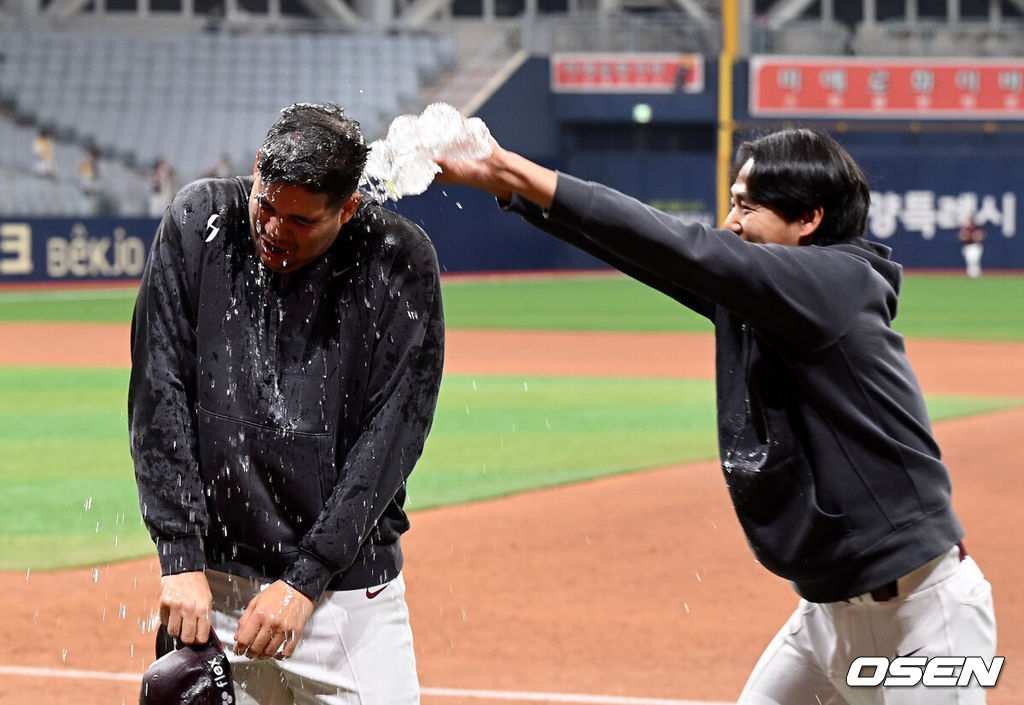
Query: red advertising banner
[627, 73]
[887, 88]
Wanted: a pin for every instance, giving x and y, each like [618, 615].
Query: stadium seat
[193, 97]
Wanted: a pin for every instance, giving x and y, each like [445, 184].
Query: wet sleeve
[161, 401]
[405, 378]
[790, 292]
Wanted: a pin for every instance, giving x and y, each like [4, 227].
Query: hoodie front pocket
[789, 532]
[265, 486]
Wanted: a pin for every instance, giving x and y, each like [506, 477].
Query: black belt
[891, 590]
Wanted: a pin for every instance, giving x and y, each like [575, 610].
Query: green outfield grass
[68, 495]
[66, 305]
[933, 306]
[990, 308]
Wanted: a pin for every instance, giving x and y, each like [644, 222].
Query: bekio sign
[937, 671]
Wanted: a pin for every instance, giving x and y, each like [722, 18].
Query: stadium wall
[922, 180]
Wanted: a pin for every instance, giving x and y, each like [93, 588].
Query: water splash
[750, 460]
[403, 163]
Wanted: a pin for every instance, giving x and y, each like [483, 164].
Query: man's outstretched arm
[502, 173]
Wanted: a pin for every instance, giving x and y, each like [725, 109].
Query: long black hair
[798, 170]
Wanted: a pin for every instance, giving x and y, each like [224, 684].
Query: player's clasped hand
[185, 603]
[272, 622]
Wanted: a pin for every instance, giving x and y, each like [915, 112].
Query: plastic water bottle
[403, 163]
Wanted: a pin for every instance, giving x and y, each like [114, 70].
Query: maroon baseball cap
[190, 674]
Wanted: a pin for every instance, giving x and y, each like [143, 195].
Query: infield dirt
[639, 585]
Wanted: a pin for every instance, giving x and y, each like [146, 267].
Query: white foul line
[580, 698]
[68, 673]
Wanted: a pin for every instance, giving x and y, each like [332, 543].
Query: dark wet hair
[798, 170]
[316, 147]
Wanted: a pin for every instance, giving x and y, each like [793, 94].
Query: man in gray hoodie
[824, 438]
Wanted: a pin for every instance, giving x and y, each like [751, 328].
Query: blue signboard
[76, 250]
[919, 202]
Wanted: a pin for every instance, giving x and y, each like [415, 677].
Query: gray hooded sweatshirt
[824, 438]
[275, 419]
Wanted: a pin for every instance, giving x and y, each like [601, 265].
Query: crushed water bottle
[403, 163]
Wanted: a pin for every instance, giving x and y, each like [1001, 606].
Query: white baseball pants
[356, 649]
[972, 258]
[944, 609]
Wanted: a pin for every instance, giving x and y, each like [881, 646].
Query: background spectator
[161, 186]
[89, 171]
[46, 158]
[220, 169]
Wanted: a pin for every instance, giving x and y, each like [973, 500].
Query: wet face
[291, 226]
[757, 222]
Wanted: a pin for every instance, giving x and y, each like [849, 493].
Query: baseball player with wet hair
[287, 348]
[825, 442]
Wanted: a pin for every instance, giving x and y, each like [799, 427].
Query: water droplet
[402, 164]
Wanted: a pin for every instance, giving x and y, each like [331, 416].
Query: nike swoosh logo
[370, 594]
[339, 272]
[909, 653]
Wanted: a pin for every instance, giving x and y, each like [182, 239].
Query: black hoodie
[824, 438]
[275, 419]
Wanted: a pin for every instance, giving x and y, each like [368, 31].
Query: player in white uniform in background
[971, 236]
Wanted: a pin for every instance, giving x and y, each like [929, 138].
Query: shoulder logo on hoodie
[211, 227]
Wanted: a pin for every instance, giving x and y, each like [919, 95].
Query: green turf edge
[948, 306]
[104, 519]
